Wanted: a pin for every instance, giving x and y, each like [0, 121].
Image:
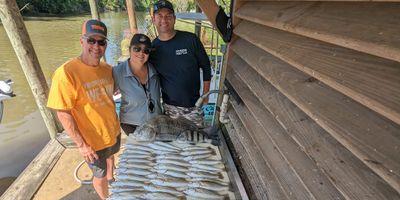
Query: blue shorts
[99, 166]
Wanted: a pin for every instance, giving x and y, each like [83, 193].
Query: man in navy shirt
[178, 57]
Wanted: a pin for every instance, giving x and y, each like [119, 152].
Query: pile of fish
[182, 130]
[162, 170]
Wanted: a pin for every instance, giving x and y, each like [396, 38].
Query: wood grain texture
[370, 80]
[64, 139]
[210, 9]
[262, 181]
[372, 138]
[32, 177]
[366, 27]
[353, 178]
[312, 183]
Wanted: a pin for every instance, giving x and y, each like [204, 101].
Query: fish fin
[216, 142]
[213, 151]
[187, 122]
[211, 131]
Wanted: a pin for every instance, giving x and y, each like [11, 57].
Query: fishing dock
[314, 107]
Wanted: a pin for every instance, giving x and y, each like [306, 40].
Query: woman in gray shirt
[139, 84]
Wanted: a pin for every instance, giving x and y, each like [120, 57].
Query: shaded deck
[51, 174]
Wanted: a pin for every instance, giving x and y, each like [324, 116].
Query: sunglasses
[93, 41]
[140, 49]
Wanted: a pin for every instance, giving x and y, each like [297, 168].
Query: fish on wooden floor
[166, 189]
[208, 185]
[164, 128]
[206, 162]
[171, 167]
[132, 177]
[202, 193]
[174, 162]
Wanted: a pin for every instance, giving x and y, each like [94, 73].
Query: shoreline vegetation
[61, 7]
[33, 9]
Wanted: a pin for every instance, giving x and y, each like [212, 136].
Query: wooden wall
[320, 90]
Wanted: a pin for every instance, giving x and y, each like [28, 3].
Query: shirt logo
[180, 52]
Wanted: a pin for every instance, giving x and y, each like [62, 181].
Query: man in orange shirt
[81, 93]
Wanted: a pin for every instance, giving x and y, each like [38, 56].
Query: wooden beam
[210, 9]
[236, 5]
[365, 27]
[370, 80]
[65, 140]
[94, 9]
[130, 6]
[32, 177]
[250, 178]
[19, 38]
[302, 177]
[197, 26]
[260, 180]
[354, 179]
[368, 135]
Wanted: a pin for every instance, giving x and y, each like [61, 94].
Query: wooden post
[210, 9]
[130, 6]
[18, 35]
[197, 26]
[94, 9]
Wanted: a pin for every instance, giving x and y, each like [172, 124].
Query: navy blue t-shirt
[178, 62]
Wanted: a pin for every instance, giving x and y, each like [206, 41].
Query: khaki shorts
[99, 166]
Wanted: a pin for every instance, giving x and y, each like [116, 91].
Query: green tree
[54, 6]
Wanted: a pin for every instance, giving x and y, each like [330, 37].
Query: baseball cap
[139, 38]
[163, 4]
[94, 27]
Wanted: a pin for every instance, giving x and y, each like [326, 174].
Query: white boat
[6, 92]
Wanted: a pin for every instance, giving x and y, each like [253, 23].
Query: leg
[110, 169]
[101, 186]
[111, 159]
[99, 169]
[103, 168]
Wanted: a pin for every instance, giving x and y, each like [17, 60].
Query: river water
[55, 39]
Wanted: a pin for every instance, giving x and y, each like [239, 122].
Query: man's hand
[88, 153]
[206, 88]
[205, 101]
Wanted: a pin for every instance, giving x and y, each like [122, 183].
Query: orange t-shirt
[87, 91]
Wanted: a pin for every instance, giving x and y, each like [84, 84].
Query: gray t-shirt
[135, 98]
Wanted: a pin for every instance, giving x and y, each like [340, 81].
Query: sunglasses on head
[93, 41]
[140, 49]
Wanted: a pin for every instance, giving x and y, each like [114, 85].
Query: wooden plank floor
[60, 184]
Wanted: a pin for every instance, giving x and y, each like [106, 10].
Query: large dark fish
[164, 128]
